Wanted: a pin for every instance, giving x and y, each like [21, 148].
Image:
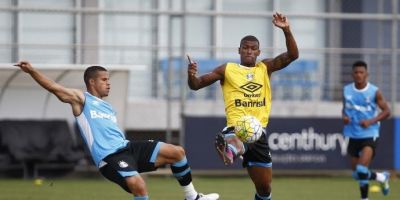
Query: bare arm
[292, 53]
[345, 118]
[384, 114]
[196, 83]
[74, 97]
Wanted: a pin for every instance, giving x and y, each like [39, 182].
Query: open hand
[280, 20]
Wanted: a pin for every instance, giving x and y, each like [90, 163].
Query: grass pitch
[166, 188]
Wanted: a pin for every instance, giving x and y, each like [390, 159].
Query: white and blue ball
[248, 129]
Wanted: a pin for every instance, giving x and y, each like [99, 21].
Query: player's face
[102, 83]
[249, 51]
[360, 75]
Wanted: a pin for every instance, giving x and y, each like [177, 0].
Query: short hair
[359, 63]
[91, 72]
[249, 38]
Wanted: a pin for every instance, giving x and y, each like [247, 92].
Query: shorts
[356, 145]
[135, 158]
[257, 153]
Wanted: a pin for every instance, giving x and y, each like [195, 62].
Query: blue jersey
[360, 105]
[99, 129]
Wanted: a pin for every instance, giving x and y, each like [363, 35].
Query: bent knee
[178, 152]
[136, 185]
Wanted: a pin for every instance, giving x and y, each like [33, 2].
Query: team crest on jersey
[122, 164]
[249, 76]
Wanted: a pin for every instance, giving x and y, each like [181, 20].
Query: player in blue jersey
[361, 101]
[118, 159]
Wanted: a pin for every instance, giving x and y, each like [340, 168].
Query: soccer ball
[248, 129]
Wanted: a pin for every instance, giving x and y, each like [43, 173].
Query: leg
[228, 145]
[362, 170]
[176, 157]
[136, 185]
[132, 184]
[262, 178]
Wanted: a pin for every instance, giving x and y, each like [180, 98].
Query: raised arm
[205, 80]
[74, 97]
[292, 53]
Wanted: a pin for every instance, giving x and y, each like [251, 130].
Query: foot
[385, 184]
[222, 148]
[212, 196]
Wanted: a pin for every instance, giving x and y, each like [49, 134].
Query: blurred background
[144, 45]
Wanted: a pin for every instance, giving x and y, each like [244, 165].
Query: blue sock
[182, 172]
[141, 198]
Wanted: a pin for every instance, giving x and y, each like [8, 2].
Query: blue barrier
[397, 143]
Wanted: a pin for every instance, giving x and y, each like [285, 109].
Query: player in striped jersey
[117, 158]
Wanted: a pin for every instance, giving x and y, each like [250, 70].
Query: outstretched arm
[74, 97]
[205, 80]
[292, 53]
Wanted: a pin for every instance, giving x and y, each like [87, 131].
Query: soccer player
[361, 100]
[118, 159]
[247, 91]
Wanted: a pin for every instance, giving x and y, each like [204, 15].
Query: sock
[372, 175]
[182, 172]
[266, 197]
[190, 192]
[141, 198]
[363, 175]
[364, 191]
[365, 199]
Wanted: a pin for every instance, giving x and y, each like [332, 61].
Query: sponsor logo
[359, 108]
[241, 103]
[99, 115]
[308, 140]
[123, 164]
[251, 87]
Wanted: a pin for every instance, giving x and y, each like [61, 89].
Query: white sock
[380, 177]
[365, 199]
[190, 192]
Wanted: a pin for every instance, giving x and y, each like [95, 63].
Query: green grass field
[166, 188]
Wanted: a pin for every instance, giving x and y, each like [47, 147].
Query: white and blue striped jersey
[99, 129]
[360, 105]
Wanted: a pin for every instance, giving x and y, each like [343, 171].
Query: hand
[280, 20]
[192, 67]
[25, 66]
[365, 123]
[346, 120]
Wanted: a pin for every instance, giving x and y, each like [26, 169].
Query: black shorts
[356, 145]
[257, 153]
[135, 158]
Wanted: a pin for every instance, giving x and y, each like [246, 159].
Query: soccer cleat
[222, 148]
[385, 184]
[212, 196]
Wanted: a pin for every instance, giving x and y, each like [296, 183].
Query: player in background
[361, 100]
[118, 159]
[246, 89]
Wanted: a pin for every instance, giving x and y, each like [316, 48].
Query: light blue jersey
[98, 126]
[360, 105]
